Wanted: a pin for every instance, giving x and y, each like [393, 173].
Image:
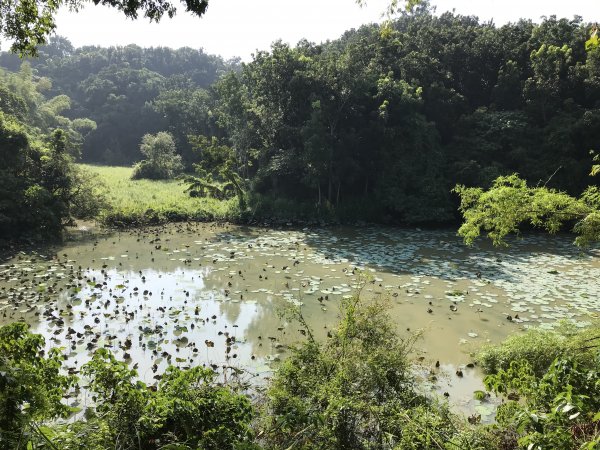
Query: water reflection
[192, 294]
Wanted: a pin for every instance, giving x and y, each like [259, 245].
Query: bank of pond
[195, 335]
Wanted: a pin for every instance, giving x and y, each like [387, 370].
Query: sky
[237, 28]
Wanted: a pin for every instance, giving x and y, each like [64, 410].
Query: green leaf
[592, 42]
[479, 395]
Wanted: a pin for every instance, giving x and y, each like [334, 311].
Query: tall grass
[139, 202]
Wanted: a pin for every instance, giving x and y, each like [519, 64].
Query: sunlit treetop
[510, 203]
[593, 41]
[28, 23]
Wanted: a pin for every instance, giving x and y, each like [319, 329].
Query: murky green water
[211, 294]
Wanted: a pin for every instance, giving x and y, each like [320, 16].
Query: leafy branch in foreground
[510, 203]
[29, 23]
[549, 381]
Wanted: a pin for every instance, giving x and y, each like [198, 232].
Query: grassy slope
[135, 202]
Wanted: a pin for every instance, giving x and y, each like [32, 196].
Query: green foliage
[187, 110]
[40, 189]
[34, 181]
[592, 43]
[162, 162]
[120, 400]
[31, 386]
[509, 203]
[88, 198]
[561, 406]
[213, 154]
[538, 347]
[28, 103]
[397, 116]
[191, 409]
[29, 24]
[217, 172]
[551, 379]
[188, 409]
[391, 116]
[542, 91]
[356, 390]
[128, 92]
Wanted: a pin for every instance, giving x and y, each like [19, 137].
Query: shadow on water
[439, 253]
[189, 294]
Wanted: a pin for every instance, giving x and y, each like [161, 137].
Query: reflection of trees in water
[238, 234]
[268, 320]
[265, 324]
[231, 311]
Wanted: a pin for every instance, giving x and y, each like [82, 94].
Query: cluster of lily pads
[196, 294]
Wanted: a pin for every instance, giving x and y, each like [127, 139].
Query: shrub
[552, 379]
[188, 407]
[187, 410]
[162, 162]
[538, 347]
[356, 390]
[559, 409]
[31, 386]
[88, 194]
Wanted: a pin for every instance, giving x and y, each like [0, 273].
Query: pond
[213, 294]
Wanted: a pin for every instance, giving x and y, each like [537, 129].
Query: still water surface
[213, 294]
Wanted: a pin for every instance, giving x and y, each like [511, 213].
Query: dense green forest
[383, 121]
[128, 92]
[415, 121]
[40, 188]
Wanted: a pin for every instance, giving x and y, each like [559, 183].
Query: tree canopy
[161, 160]
[379, 124]
[40, 190]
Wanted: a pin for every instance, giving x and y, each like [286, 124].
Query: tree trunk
[337, 200]
[319, 193]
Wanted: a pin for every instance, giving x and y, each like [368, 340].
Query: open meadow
[134, 202]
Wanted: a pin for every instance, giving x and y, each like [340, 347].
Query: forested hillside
[401, 115]
[384, 120]
[128, 91]
[40, 188]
